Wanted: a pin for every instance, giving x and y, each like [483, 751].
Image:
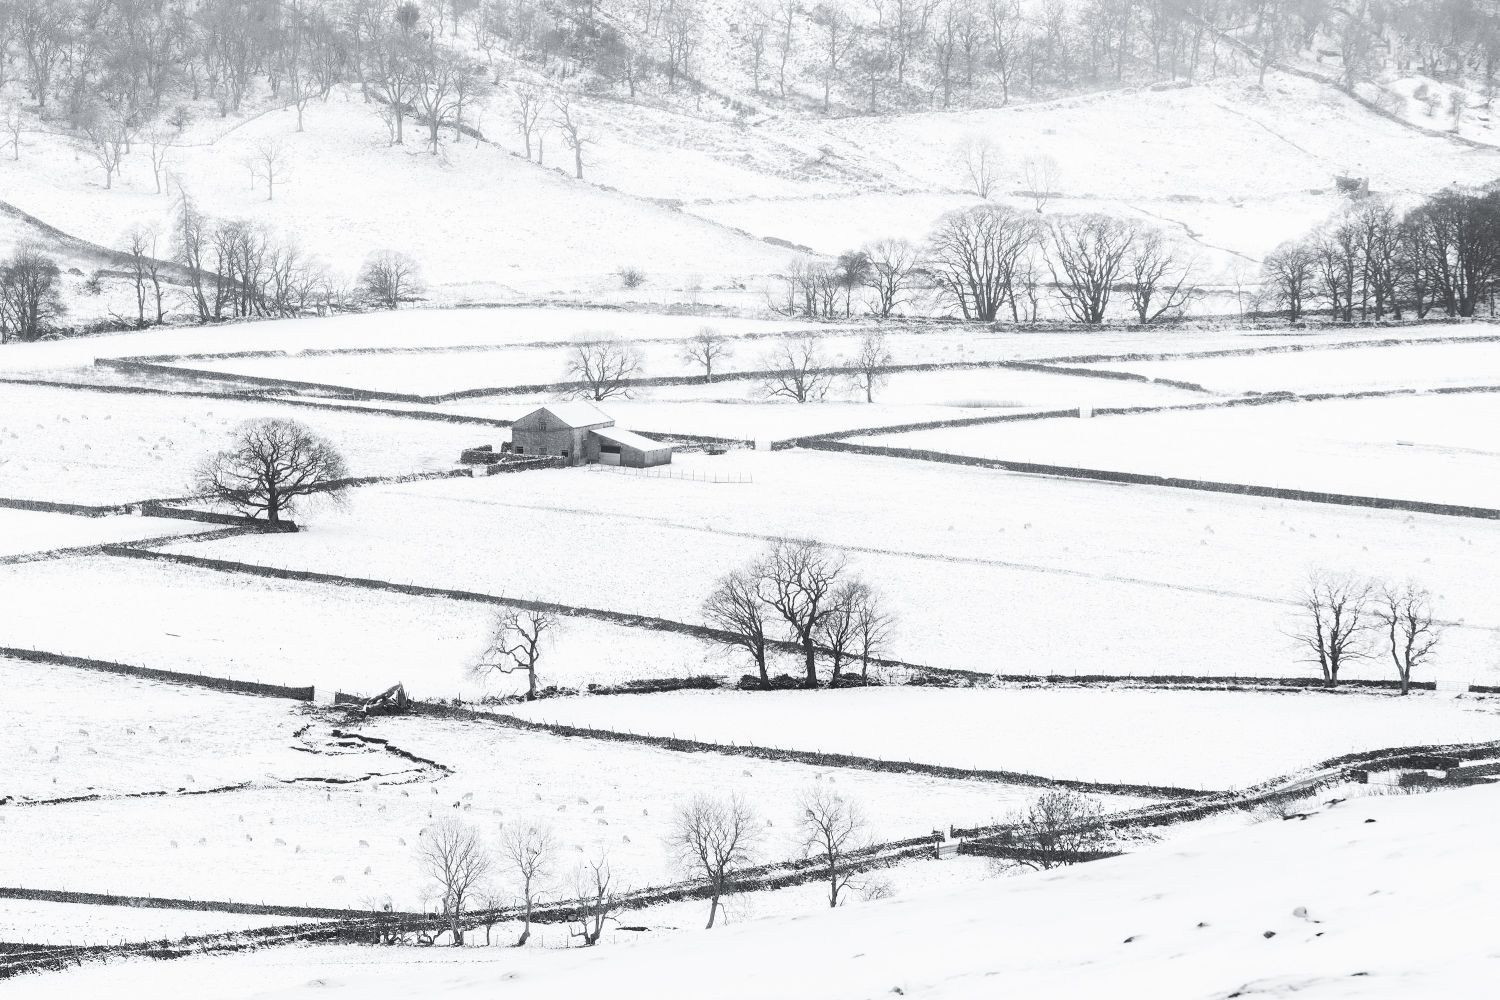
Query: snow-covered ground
[75, 732]
[81, 446]
[25, 921]
[1425, 447]
[1129, 575]
[1358, 369]
[1187, 739]
[343, 845]
[24, 531]
[1362, 901]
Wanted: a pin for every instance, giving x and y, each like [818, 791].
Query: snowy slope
[1321, 909]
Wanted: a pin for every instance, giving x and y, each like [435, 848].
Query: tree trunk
[810, 659]
[713, 910]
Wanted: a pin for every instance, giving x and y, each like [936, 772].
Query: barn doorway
[609, 454]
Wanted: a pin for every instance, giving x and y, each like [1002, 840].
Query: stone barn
[583, 434]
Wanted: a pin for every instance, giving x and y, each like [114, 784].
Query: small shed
[583, 434]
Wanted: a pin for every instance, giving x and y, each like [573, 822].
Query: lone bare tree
[528, 114]
[831, 828]
[388, 278]
[798, 578]
[870, 367]
[736, 608]
[1405, 612]
[711, 838]
[1335, 621]
[1159, 282]
[599, 902]
[270, 163]
[528, 850]
[705, 349]
[1040, 175]
[12, 124]
[981, 165]
[455, 861]
[576, 135]
[1059, 827]
[798, 370]
[269, 465]
[108, 134]
[603, 369]
[517, 640]
[892, 274]
[1087, 257]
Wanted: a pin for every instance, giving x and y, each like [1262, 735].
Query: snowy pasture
[23, 532]
[192, 620]
[1191, 739]
[79, 732]
[90, 447]
[24, 921]
[345, 845]
[984, 569]
[1420, 447]
[1359, 902]
[1355, 369]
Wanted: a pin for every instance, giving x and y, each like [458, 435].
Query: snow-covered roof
[578, 413]
[629, 439]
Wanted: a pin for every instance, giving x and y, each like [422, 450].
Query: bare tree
[29, 297]
[271, 163]
[736, 608]
[757, 31]
[1159, 282]
[832, 828]
[870, 367]
[108, 134]
[838, 631]
[1059, 827]
[798, 370]
[1039, 174]
[529, 850]
[603, 369]
[269, 465]
[981, 165]
[527, 114]
[455, 860]
[575, 135]
[517, 640]
[1335, 621]
[1290, 271]
[705, 349]
[159, 142]
[388, 278]
[784, 38]
[711, 838]
[1405, 613]
[976, 258]
[599, 902]
[392, 77]
[1087, 257]
[892, 274]
[145, 272]
[837, 41]
[873, 628]
[13, 125]
[797, 580]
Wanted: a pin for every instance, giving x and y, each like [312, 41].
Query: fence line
[684, 475]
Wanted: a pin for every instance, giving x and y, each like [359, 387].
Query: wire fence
[684, 475]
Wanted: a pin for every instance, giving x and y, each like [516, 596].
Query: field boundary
[1143, 479]
[151, 673]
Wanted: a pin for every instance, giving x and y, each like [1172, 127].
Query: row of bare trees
[805, 592]
[1371, 262]
[712, 838]
[1346, 618]
[994, 261]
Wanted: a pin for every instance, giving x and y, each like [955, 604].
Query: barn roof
[629, 439]
[576, 413]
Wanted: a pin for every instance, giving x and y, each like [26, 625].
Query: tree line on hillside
[995, 262]
[1372, 262]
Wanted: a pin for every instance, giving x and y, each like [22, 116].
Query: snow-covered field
[1439, 448]
[1358, 369]
[1128, 575]
[25, 531]
[24, 921]
[240, 627]
[1362, 901]
[1212, 739]
[341, 846]
[75, 732]
[80, 446]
